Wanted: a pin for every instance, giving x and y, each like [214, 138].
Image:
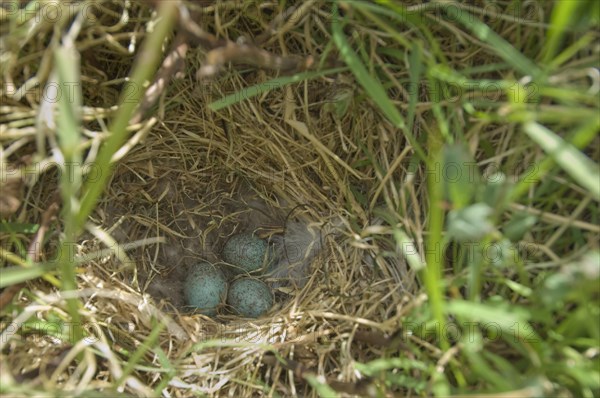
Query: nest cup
[201, 177]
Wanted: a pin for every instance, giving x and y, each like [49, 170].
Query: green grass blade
[371, 85]
[321, 387]
[143, 348]
[416, 68]
[18, 228]
[143, 70]
[572, 50]
[13, 275]
[581, 138]
[563, 15]
[503, 317]
[69, 138]
[583, 170]
[435, 93]
[412, 19]
[408, 248]
[269, 85]
[432, 272]
[390, 29]
[168, 367]
[500, 46]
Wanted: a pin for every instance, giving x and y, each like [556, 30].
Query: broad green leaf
[470, 223]
[460, 176]
[518, 226]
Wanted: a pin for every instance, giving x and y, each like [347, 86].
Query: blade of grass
[13, 275]
[261, 88]
[483, 371]
[69, 136]
[583, 170]
[432, 273]
[143, 70]
[408, 248]
[581, 138]
[168, 368]
[10, 277]
[321, 387]
[143, 348]
[411, 18]
[497, 44]
[505, 318]
[19, 228]
[370, 84]
[435, 93]
[569, 52]
[392, 30]
[372, 368]
[415, 71]
[561, 20]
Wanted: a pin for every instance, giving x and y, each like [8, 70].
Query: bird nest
[295, 157]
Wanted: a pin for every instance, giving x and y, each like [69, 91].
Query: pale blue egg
[249, 297]
[205, 288]
[246, 252]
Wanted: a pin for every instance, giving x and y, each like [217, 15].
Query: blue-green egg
[205, 288]
[249, 297]
[246, 252]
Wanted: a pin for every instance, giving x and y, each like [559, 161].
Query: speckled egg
[246, 252]
[205, 288]
[249, 297]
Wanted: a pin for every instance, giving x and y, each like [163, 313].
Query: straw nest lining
[196, 177]
[201, 176]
